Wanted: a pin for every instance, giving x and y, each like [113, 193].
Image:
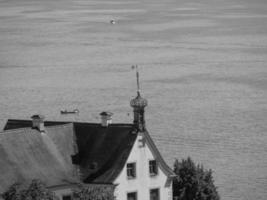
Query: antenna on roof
[137, 78]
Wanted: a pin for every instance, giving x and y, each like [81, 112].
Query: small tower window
[131, 170]
[153, 167]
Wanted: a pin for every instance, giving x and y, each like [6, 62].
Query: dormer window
[131, 170]
[153, 168]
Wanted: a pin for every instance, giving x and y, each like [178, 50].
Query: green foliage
[36, 190]
[193, 182]
[94, 192]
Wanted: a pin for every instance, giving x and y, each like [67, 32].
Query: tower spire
[138, 104]
[137, 79]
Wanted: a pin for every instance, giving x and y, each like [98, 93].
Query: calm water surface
[203, 68]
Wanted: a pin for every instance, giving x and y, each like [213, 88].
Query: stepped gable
[27, 154]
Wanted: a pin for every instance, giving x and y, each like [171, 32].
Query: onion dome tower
[138, 104]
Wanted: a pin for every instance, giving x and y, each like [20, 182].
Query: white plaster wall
[143, 181]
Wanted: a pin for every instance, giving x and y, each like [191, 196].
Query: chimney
[106, 118]
[38, 122]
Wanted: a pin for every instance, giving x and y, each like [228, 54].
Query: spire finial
[137, 79]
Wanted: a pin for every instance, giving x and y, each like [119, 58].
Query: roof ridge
[3, 132]
[21, 120]
[121, 124]
[30, 128]
[70, 124]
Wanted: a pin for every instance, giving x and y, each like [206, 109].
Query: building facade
[143, 177]
[64, 154]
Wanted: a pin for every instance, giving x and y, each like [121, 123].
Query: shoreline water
[202, 69]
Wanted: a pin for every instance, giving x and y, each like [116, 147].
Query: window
[66, 197]
[132, 196]
[131, 170]
[154, 194]
[153, 167]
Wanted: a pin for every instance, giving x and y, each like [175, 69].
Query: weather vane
[137, 78]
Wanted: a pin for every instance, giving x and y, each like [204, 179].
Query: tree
[193, 182]
[36, 190]
[94, 192]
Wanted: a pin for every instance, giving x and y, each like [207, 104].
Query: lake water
[203, 68]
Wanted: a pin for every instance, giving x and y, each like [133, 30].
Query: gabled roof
[29, 154]
[103, 151]
[100, 152]
[162, 164]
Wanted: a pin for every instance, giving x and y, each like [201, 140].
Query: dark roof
[20, 123]
[102, 151]
[29, 154]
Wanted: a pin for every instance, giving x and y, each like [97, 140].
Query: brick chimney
[38, 122]
[106, 118]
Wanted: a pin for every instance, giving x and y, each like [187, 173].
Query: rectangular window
[131, 170]
[66, 197]
[153, 167]
[132, 196]
[154, 194]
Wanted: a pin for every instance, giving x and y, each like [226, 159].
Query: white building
[62, 154]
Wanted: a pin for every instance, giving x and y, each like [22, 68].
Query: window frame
[133, 174]
[153, 170]
[158, 189]
[135, 192]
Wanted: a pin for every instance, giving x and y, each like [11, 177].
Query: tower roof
[37, 116]
[106, 113]
[138, 101]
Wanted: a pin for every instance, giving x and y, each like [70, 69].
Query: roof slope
[166, 169]
[29, 154]
[103, 151]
